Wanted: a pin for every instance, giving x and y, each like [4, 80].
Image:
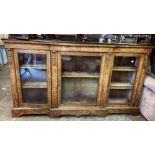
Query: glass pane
[81, 64]
[126, 61]
[34, 96]
[123, 76]
[33, 75]
[119, 96]
[79, 90]
[32, 59]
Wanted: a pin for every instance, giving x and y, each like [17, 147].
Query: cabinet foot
[135, 112]
[15, 113]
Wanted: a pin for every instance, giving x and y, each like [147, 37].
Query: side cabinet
[76, 80]
[32, 69]
[124, 79]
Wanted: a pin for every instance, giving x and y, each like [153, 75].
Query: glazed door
[125, 75]
[80, 78]
[33, 77]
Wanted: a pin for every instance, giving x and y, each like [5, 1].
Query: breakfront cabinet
[56, 78]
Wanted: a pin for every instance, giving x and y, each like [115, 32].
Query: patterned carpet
[6, 104]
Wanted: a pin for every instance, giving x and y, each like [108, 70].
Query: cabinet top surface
[78, 44]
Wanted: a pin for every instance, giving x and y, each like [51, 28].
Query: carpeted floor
[6, 104]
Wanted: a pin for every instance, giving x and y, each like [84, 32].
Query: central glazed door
[80, 77]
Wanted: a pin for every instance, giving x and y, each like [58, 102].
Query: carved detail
[54, 57]
[9, 54]
[146, 61]
[54, 105]
[108, 58]
[109, 53]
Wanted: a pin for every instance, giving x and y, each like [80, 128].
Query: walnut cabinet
[57, 78]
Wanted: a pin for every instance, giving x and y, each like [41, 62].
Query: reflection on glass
[80, 78]
[26, 59]
[34, 96]
[126, 61]
[81, 64]
[119, 96]
[125, 77]
[79, 90]
[33, 75]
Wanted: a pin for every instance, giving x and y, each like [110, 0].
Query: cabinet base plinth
[17, 112]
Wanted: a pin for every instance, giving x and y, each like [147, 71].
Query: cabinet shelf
[121, 85]
[80, 74]
[133, 69]
[118, 100]
[34, 85]
[34, 66]
[81, 102]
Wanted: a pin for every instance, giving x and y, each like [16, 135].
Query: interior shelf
[121, 85]
[124, 69]
[34, 66]
[118, 100]
[80, 74]
[34, 85]
[81, 102]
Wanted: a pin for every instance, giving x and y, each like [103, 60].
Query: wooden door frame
[12, 74]
[109, 59]
[141, 72]
[100, 81]
[18, 79]
[136, 81]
